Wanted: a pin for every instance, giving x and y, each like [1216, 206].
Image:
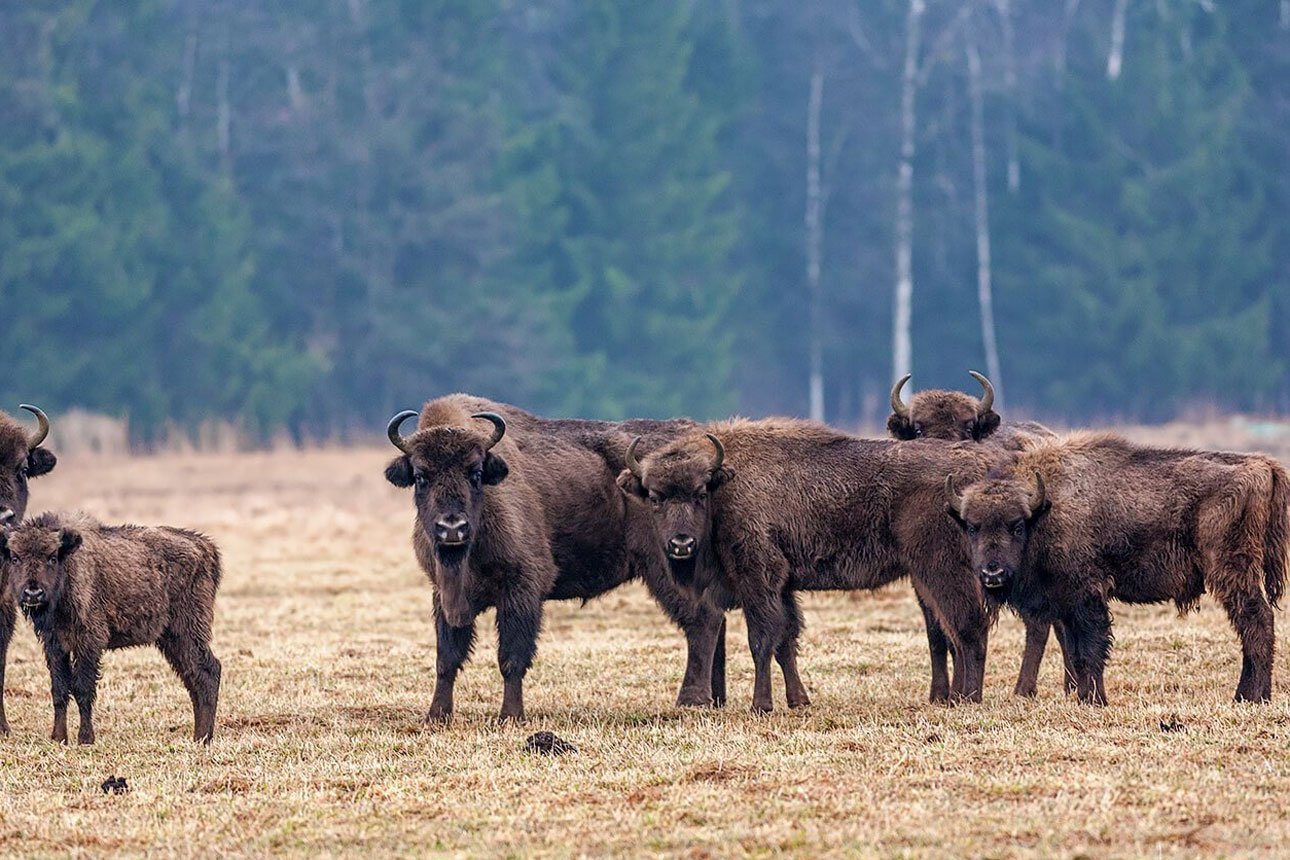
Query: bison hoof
[762, 707]
[1025, 692]
[1259, 699]
[514, 717]
[801, 701]
[693, 699]
[4, 728]
[438, 717]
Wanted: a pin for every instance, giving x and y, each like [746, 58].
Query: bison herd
[513, 510]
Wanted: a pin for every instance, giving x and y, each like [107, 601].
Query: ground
[323, 628]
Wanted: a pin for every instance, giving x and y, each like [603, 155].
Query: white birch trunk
[1010, 88]
[901, 341]
[981, 195]
[814, 240]
[1115, 59]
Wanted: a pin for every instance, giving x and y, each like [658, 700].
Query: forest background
[301, 217]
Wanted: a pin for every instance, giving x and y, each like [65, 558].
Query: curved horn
[721, 452]
[987, 396]
[632, 463]
[1041, 494]
[42, 431]
[896, 405]
[956, 500]
[392, 430]
[499, 427]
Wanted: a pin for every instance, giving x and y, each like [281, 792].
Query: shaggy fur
[953, 416]
[545, 522]
[90, 588]
[19, 462]
[798, 506]
[1141, 525]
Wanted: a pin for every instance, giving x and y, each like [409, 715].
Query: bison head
[997, 514]
[21, 458]
[448, 467]
[35, 554]
[948, 415]
[677, 482]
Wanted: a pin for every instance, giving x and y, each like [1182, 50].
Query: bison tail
[1276, 548]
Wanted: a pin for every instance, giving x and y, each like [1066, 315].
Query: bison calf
[90, 588]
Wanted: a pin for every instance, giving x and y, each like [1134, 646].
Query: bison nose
[451, 530]
[33, 595]
[993, 575]
[992, 567]
[680, 546]
[7, 517]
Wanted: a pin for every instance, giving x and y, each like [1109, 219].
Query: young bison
[781, 506]
[21, 459]
[952, 416]
[90, 588]
[1077, 521]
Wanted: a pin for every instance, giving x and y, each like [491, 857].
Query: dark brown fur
[90, 588]
[1141, 525]
[952, 416]
[19, 462]
[798, 506]
[546, 522]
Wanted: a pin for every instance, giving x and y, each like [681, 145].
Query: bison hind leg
[200, 670]
[1251, 616]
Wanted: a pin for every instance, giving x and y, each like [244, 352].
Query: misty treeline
[310, 214]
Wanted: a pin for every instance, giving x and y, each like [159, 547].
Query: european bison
[21, 459]
[90, 588]
[1077, 521]
[513, 510]
[785, 505]
[952, 416]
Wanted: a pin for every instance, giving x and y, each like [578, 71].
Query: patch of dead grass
[323, 627]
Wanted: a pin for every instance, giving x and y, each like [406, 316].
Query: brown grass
[323, 628]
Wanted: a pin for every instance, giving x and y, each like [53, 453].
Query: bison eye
[22, 471]
[918, 429]
[1019, 528]
[421, 479]
[15, 558]
[477, 478]
[655, 500]
[971, 530]
[53, 559]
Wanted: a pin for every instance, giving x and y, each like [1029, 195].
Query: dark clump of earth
[115, 785]
[1171, 723]
[547, 743]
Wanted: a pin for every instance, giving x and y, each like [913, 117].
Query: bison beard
[797, 506]
[523, 514]
[21, 459]
[1165, 525]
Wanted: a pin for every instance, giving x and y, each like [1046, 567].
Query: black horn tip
[392, 430]
[499, 427]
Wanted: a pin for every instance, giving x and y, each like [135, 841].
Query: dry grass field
[323, 628]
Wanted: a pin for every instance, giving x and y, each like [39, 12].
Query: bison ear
[986, 424]
[399, 472]
[4, 544]
[495, 469]
[40, 461]
[900, 428]
[69, 540]
[719, 477]
[1038, 512]
[630, 484]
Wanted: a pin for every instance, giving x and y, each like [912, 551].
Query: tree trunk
[981, 194]
[1010, 88]
[813, 244]
[1115, 59]
[901, 341]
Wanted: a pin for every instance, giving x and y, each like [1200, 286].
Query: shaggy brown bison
[782, 505]
[1077, 521]
[513, 510]
[90, 588]
[21, 459]
[956, 417]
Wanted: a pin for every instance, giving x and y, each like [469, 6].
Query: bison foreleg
[786, 653]
[719, 667]
[85, 683]
[519, 620]
[1036, 642]
[1088, 642]
[8, 616]
[1068, 668]
[60, 685]
[453, 649]
[765, 632]
[704, 635]
[939, 647]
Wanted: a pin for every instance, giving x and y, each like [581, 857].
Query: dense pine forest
[305, 216]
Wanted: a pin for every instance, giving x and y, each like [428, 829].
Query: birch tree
[901, 341]
[981, 210]
[814, 240]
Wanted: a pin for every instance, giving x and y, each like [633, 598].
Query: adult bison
[22, 458]
[953, 416]
[1074, 522]
[513, 510]
[782, 505]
